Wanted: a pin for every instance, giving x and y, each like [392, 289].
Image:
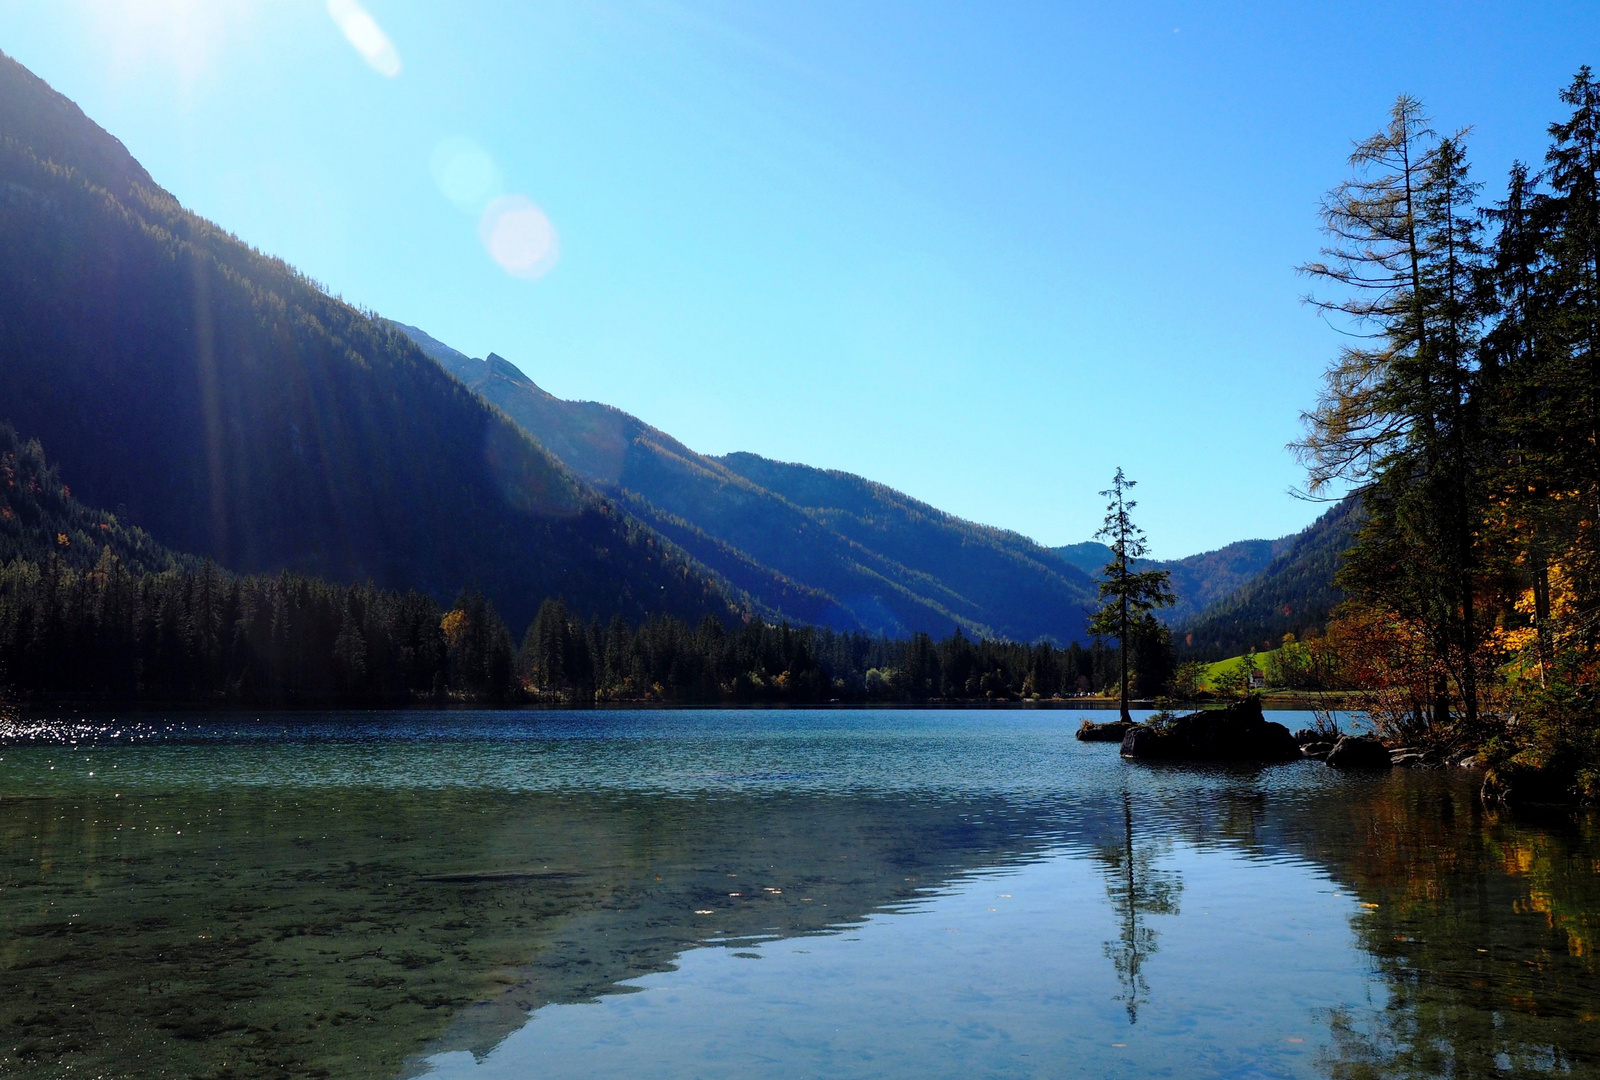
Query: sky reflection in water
[857, 893]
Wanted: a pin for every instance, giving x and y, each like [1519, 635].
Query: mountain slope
[1294, 594]
[1201, 580]
[231, 407]
[40, 519]
[1197, 580]
[1090, 556]
[817, 547]
[1012, 580]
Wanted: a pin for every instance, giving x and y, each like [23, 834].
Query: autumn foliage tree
[1465, 413]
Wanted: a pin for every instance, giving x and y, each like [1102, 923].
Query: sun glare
[516, 233]
[363, 31]
[465, 173]
[184, 36]
[519, 236]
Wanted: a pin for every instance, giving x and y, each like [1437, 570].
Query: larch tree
[1397, 418]
[1127, 595]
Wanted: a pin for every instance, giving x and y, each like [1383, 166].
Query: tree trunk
[1126, 717]
[1469, 669]
[1541, 607]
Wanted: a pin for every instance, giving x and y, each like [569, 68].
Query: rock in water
[1236, 733]
[1359, 752]
[1110, 731]
[1516, 783]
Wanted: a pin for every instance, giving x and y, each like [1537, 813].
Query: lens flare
[363, 31]
[185, 38]
[519, 236]
[465, 173]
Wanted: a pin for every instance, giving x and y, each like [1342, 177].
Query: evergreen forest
[1465, 409]
[301, 488]
[92, 610]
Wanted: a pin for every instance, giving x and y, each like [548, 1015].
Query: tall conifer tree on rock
[1126, 595]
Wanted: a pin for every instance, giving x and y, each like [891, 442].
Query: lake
[792, 893]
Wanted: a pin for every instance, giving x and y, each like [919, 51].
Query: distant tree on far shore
[1188, 680]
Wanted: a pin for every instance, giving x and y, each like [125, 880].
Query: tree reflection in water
[356, 906]
[1483, 927]
[1135, 889]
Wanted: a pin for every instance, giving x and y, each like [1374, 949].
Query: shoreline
[92, 706]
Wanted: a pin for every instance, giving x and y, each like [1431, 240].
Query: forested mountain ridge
[596, 441]
[41, 520]
[1295, 593]
[997, 567]
[819, 547]
[1202, 580]
[233, 409]
[1198, 581]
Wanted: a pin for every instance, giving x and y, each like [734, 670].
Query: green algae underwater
[403, 894]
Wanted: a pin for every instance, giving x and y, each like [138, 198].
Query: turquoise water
[881, 893]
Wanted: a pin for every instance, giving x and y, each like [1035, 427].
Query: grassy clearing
[1216, 670]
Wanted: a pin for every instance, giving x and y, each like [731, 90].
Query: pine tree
[1126, 594]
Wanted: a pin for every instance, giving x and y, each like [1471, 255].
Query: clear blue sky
[984, 253]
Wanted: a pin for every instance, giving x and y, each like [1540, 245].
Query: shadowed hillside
[1002, 573]
[231, 407]
[1294, 594]
[40, 519]
[814, 546]
[1197, 580]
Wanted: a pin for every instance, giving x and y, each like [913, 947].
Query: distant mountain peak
[54, 129]
[499, 366]
[809, 544]
[1197, 580]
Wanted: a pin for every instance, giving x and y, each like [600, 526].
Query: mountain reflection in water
[930, 893]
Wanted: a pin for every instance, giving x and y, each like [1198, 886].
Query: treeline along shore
[200, 634]
[1465, 410]
[93, 609]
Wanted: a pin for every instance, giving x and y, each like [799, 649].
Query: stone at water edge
[1359, 752]
[1517, 783]
[1110, 731]
[1316, 751]
[1237, 733]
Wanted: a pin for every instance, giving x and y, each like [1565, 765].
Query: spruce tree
[1521, 362]
[1126, 594]
[1573, 411]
